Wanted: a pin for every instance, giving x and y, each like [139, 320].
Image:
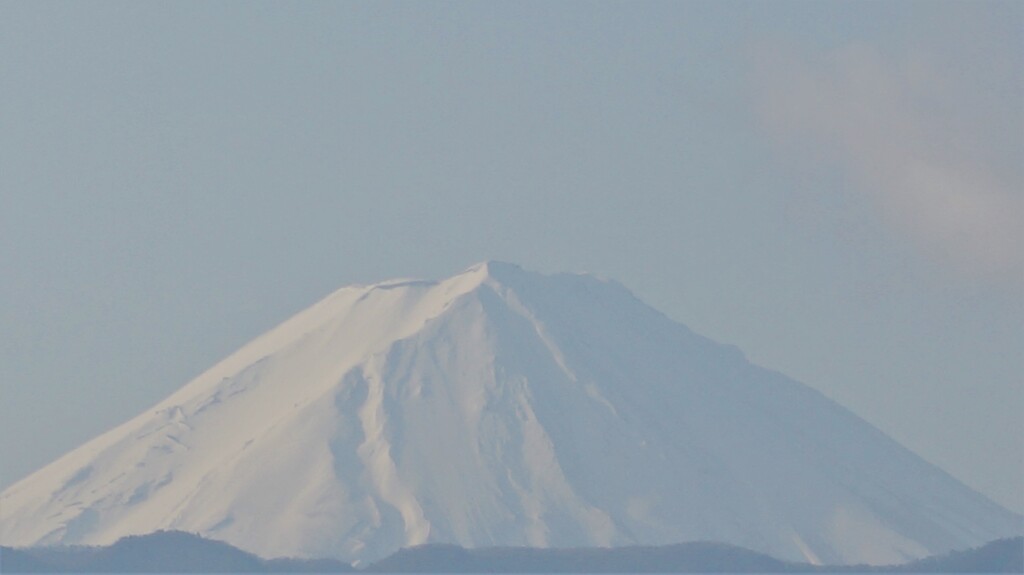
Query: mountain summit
[499, 407]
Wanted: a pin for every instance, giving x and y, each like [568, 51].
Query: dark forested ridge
[683, 558]
[1002, 556]
[175, 551]
[160, 552]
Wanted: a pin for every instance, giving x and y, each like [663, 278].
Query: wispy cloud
[934, 143]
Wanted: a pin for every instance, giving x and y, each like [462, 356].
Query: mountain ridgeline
[500, 408]
[177, 552]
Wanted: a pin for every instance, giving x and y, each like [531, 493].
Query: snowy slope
[499, 407]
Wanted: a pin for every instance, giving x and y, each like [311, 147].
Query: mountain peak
[496, 270]
[498, 407]
[495, 266]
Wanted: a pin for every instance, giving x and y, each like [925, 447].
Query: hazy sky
[837, 188]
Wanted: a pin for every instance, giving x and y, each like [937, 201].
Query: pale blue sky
[834, 187]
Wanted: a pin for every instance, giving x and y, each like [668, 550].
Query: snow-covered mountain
[499, 408]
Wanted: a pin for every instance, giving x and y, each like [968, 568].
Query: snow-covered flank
[499, 407]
